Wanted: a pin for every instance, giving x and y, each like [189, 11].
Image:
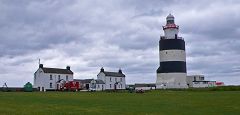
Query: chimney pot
[40, 65]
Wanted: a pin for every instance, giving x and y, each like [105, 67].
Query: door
[58, 87]
[87, 86]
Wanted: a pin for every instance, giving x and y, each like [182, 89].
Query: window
[194, 79]
[121, 79]
[121, 85]
[50, 85]
[166, 52]
[110, 86]
[98, 86]
[59, 77]
[50, 77]
[66, 78]
[110, 79]
[116, 79]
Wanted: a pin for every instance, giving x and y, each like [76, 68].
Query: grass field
[154, 102]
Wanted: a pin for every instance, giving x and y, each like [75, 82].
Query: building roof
[203, 81]
[83, 80]
[170, 16]
[56, 70]
[114, 74]
[145, 85]
[98, 81]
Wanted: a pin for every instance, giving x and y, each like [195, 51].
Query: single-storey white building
[91, 84]
[145, 86]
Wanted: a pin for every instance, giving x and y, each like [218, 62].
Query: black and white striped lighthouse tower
[172, 71]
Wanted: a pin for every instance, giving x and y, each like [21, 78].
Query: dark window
[116, 79]
[170, 21]
[50, 85]
[59, 77]
[50, 77]
[66, 78]
[110, 86]
[121, 79]
[110, 79]
[194, 79]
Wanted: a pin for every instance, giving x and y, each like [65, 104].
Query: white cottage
[49, 78]
[91, 84]
[112, 80]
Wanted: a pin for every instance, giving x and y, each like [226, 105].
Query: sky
[90, 34]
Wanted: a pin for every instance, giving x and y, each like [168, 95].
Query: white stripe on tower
[172, 55]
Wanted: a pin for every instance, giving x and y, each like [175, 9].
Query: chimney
[40, 65]
[68, 67]
[119, 71]
[102, 70]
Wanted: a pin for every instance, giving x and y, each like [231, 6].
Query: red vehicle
[70, 86]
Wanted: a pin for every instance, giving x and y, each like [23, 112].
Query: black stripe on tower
[172, 67]
[171, 44]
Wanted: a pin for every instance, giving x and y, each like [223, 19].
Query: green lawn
[154, 102]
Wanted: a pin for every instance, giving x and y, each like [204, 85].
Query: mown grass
[154, 102]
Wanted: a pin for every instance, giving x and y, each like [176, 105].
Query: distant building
[144, 86]
[91, 84]
[48, 78]
[198, 81]
[112, 80]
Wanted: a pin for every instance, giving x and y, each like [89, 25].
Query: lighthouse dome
[170, 16]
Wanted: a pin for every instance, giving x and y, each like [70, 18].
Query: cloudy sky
[90, 34]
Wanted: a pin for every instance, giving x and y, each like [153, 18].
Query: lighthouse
[172, 71]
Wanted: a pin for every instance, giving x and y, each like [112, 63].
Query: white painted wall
[170, 33]
[191, 78]
[204, 84]
[100, 87]
[172, 55]
[144, 88]
[171, 80]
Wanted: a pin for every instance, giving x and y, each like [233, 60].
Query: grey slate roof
[145, 85]
[114, 74]
[98, 81]
[56, 70]
[83, 80]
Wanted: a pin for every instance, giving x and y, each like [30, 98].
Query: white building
[144, 86]
[48, 78]
[91, 84]
[112, 80]
[198, 81]
[191, 78]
